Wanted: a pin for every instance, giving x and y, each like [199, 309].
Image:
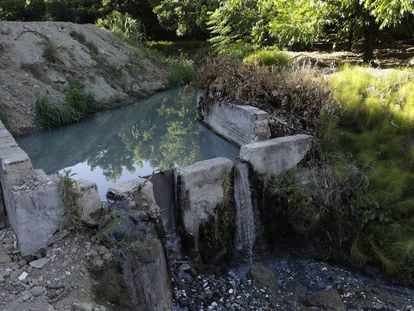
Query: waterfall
[245, 230]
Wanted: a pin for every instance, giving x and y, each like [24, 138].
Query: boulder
[266, 277]
[134, 273]
[274, 156]
[241, 124]
[206, 209]
[89, 201]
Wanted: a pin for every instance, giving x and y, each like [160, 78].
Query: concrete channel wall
[31, 198]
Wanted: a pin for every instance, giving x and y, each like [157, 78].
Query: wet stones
[133, 272]
[206, 209]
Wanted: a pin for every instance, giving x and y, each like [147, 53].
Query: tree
[186, 17]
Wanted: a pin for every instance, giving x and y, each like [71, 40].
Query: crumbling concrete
[240, 124]
[204, 201]
[274, 156]
[31, 198]
[136, 274]
[89, 201]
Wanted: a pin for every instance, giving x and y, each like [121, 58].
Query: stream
[116, 146]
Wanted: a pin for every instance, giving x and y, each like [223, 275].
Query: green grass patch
[375, 130]
[177, 48]
[71, 196]
[76, 105]
[268, 57]
[180, 71]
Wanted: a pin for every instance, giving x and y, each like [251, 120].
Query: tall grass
[268, 57]
[76, 104]
[180, 71]
[376, 131]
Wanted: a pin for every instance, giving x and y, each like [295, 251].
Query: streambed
[118, 145]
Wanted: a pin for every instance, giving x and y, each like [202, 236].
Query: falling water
[245, 230]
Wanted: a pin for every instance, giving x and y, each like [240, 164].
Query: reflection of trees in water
[162, 135]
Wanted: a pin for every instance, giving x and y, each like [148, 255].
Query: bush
[50, 52]
[122, 24]
[180, 71]
[76, 105]
[268, 58]
[71, 195]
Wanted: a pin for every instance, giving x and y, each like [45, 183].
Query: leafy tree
[24, 10]
[185, 17]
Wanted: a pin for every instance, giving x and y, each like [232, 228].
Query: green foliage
[180, 71]
[122, 24]
[376, 128]
[268, 57]
[4, 118]
[71, 196]
[76, 105]
[186, 16]
[177, 48]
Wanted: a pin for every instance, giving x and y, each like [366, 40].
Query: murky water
[118, 145]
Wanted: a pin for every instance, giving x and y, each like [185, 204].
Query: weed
[71, 196]
[80, 37]
[180, 71]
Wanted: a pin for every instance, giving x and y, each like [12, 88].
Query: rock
[23, 276]
[38, 291]
[136, 275]
[3, 219]
[39, 263]
[89, 201]
[206, 209]
[4, 258]
[26, 295]
[265, 277]
[326, 299]
[274, 156]
[82, 306]
[241, 124]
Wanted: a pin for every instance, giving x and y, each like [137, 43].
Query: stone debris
[39, 263]
[23, 276]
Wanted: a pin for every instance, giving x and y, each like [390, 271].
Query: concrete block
[276, 155]
[35, 211]
[239, 124]
[202, 188]
[89, 201]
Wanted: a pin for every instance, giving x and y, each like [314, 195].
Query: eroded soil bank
[42, 59]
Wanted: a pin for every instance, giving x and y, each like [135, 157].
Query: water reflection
[118, 145]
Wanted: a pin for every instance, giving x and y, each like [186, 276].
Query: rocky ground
[60, 281]
[43, 58]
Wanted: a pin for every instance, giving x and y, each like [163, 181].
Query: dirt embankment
[44, 58]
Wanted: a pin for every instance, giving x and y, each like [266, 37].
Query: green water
[118, 145]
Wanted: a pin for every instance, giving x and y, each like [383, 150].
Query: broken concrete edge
[274, 156]
[134, 218]
[240, 124]
[202, 193]
[89, 201]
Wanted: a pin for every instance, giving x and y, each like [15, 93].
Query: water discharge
[245, 228]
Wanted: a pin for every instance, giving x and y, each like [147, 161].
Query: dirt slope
[43, 58]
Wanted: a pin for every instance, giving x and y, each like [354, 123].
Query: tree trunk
[370, 37]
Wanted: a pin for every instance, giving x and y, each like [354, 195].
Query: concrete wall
[31, 198]
[240, 124]
[274, 156]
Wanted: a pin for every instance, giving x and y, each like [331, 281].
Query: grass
[76, 105]
[376, 131]
[268, 57]
[180, 71]
[71, 195]
[177, 48]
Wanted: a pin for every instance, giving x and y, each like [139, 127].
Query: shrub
[180, 71]
[268, 58]
[122, 24]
